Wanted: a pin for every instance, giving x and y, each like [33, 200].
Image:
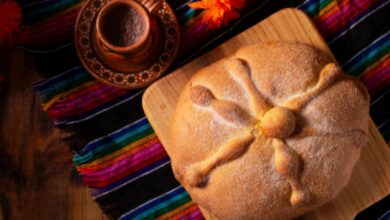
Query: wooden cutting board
[371, 178]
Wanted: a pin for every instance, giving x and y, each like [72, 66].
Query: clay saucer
[83, 38]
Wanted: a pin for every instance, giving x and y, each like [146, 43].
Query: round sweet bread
[270, 133]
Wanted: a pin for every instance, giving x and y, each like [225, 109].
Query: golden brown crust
[270, 133]
[278, 122]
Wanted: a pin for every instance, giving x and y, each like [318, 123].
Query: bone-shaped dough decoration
[275, 123]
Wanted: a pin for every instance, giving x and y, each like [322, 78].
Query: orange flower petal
[197, 5]
[218, 12]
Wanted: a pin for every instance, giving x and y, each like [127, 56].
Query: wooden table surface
[37, 178]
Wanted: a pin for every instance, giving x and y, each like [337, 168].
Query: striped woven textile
[48, 24]
[116, 152]
[163, 206]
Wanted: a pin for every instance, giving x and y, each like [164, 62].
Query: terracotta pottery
[121, 56]
[126, 37]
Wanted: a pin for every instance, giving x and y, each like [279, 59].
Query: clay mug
[127, 35]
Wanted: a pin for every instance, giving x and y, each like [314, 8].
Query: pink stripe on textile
[125, 164]
[131, 160]
[380, 79]
[379, 63]
[344, 15]
[142, 145]
[194, 215]
[87, 105]
[80, 96]
[147, 164]
[344, 10]
[380, 73]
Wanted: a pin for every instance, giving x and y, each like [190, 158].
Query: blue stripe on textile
[384, 49]
[96, 192]
[381, 42]
[84, 158]
[154, 202]
[311, 7]
[61, 78]
[161, 205]
[118, 135]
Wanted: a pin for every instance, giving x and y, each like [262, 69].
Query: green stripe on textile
[315, 8]
[324, 3]
[64, 85]
[113, 142]
[373, 56]
[164, 207]
[78, 160]
[169, 208]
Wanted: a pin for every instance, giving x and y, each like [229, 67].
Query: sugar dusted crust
[269, 133]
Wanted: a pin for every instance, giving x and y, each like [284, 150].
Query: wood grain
[37, 177]
[371, 178]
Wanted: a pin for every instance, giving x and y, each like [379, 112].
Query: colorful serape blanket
[116, 152]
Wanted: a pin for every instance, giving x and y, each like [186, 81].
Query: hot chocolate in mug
[126, 35]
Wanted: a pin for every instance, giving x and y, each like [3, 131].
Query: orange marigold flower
[218, 12]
